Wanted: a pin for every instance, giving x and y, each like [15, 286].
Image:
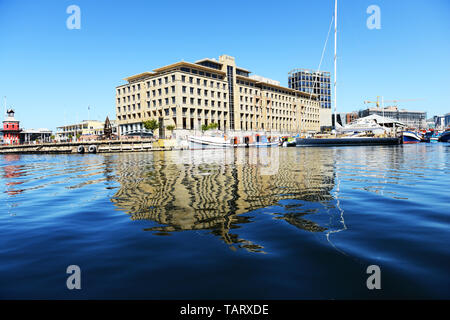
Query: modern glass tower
[315, 82]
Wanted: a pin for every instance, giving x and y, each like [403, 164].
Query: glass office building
[315, 82]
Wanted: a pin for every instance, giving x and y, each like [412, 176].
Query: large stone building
[188, 95]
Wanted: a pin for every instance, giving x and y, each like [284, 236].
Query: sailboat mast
[335, 62]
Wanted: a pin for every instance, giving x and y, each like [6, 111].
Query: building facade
[35, 135]
[318, 83]
[412, 119]
[85, 128]
[447, 120]
[11, 129]
[188, 95]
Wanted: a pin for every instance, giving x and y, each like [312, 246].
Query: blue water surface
[280, 223]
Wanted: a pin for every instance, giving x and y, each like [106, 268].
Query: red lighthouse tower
[11, 130]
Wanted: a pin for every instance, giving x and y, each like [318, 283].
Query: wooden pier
[88, 147]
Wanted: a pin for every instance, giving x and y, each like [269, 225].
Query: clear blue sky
[50, 74]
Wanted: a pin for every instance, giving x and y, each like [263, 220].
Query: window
[183, 78]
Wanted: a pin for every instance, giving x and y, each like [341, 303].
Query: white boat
[214, 142]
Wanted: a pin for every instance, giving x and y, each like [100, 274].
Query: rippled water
[251, 223]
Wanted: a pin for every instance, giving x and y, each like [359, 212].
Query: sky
[51, 74]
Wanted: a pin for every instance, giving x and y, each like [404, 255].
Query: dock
[87, 147]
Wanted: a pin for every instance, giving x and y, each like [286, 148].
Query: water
[296, 223]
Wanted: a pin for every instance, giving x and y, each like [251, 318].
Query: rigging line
[320, 64]
[324, 48]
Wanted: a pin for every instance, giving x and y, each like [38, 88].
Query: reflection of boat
[411, 137]
[445, 137]
[212, 142]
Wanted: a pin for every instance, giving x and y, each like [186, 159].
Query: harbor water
[277, 223]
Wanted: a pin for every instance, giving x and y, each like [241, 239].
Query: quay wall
[101, 147]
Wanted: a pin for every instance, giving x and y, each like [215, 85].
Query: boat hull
[445, 137]
[300, 142]
[205, 143]
[411, 137]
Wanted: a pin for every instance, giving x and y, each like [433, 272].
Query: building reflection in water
[10, 173]
[213, 189]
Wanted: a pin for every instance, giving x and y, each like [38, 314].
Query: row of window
[310, 77]
[193, 80]
[201, 73]
[11, 126]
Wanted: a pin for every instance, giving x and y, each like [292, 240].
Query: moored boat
[445, 136]
[358, 141]
[411, 137]
[218, 142]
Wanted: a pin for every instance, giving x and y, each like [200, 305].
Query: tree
[209, 126]
[213, 126]
[78, 135]
[70, 137]
[52, 137]
[151, 125]
[170, 127]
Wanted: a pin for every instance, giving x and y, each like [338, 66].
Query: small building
[35, 135]
[86, 130]
[11, 129]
